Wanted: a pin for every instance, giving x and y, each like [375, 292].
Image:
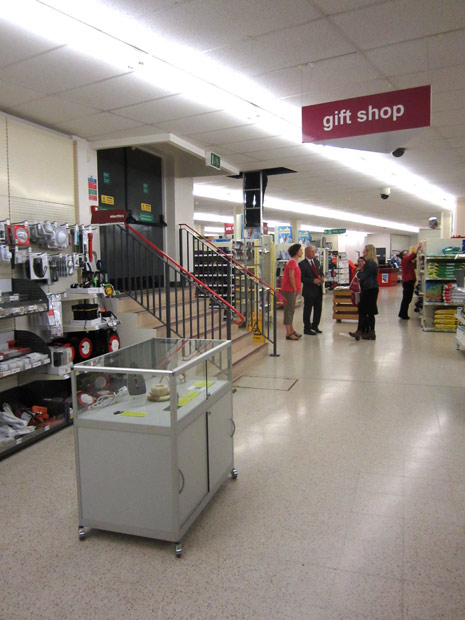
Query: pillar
[446, 224]
[459, 219]
[296, 224]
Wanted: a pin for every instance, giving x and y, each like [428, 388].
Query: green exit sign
[334, 231]
[213, 160]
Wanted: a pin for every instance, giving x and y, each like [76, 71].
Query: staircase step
[245, 354]
[145, 319]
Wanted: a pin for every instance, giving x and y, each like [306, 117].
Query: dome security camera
[433, 223]
[398, 152]
[385, 192]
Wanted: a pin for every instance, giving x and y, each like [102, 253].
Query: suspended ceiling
[301, 52]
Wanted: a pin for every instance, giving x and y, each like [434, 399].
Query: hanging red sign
[393, 111]
[229, 229]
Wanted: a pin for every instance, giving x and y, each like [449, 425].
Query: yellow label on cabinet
[133, 414]
[145, 207]
[187, 398]
[107, 200]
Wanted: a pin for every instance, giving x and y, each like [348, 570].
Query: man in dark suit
[312, 290]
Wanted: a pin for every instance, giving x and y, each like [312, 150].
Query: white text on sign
[344, 117]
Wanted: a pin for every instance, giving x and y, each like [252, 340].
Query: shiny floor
[350, 500]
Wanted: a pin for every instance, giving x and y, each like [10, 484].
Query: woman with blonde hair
[367, 308]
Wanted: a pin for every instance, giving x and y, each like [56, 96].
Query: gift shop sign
[402, 109]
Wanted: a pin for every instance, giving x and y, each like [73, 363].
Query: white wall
[179, 206]
[85, 167]
[352, 244]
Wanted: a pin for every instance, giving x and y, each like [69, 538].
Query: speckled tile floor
[349, 505]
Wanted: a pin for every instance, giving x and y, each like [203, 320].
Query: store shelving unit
[25, 299]
[437, 270]
[215, 272]
[460, 333]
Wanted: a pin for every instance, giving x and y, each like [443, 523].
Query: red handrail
[199, 282]
[230, 258]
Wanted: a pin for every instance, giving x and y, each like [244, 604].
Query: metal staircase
[182, 303]
[254, 299]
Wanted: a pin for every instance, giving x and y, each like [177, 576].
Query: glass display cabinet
[153, 430]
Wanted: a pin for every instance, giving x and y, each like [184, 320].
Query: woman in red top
[291, 285]
[407, 266]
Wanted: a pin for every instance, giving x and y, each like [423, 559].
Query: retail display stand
[153, 435]
[343, 308]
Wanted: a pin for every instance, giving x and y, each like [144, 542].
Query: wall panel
[40, 165]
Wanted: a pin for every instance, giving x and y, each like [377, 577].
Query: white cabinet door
[220, 439]
[193, 466]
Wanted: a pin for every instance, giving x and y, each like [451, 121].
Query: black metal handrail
[177, 299]
[254, 299]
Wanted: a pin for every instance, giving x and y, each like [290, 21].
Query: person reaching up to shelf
[407, 265]
[290, 287]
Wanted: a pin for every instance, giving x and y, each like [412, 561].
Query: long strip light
[124, 42]
[300, 208]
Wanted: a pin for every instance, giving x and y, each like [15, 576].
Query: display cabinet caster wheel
[178, 549]
[81, 533]
[234, 473]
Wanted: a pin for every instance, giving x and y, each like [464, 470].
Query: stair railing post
[275, 339]
[181, 253]
[168, 300]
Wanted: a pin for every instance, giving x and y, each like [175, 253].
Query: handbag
[354, 287]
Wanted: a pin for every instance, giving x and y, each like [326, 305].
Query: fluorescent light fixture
[214, 229]
[312, 228]
[278, 204]
[387, 172]
[213, 217]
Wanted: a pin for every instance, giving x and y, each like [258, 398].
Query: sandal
[292, 337]
[298, 335]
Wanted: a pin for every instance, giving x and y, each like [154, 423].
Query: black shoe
[404, 318]
[318, 331]
[310, 332]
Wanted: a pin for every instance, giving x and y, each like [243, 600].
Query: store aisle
[349, 505]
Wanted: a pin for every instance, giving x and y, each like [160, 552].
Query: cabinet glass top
[162, 354]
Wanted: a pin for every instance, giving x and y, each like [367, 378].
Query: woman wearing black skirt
[367, 308]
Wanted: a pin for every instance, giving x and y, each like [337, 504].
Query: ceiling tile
[117, 92]
[310, 42]
[409, 57]
[235, 134]
[443, 16]
[451, 100]
[12, 95]
[100, 124]
[383, 24]
[446, 49]
[210, 24]
[126, 134]
[57, 70]
[261, 144]
[450, 117]
[16, 44]
[165, 109]
[201, 123]
[44, 109]
[329, 7]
